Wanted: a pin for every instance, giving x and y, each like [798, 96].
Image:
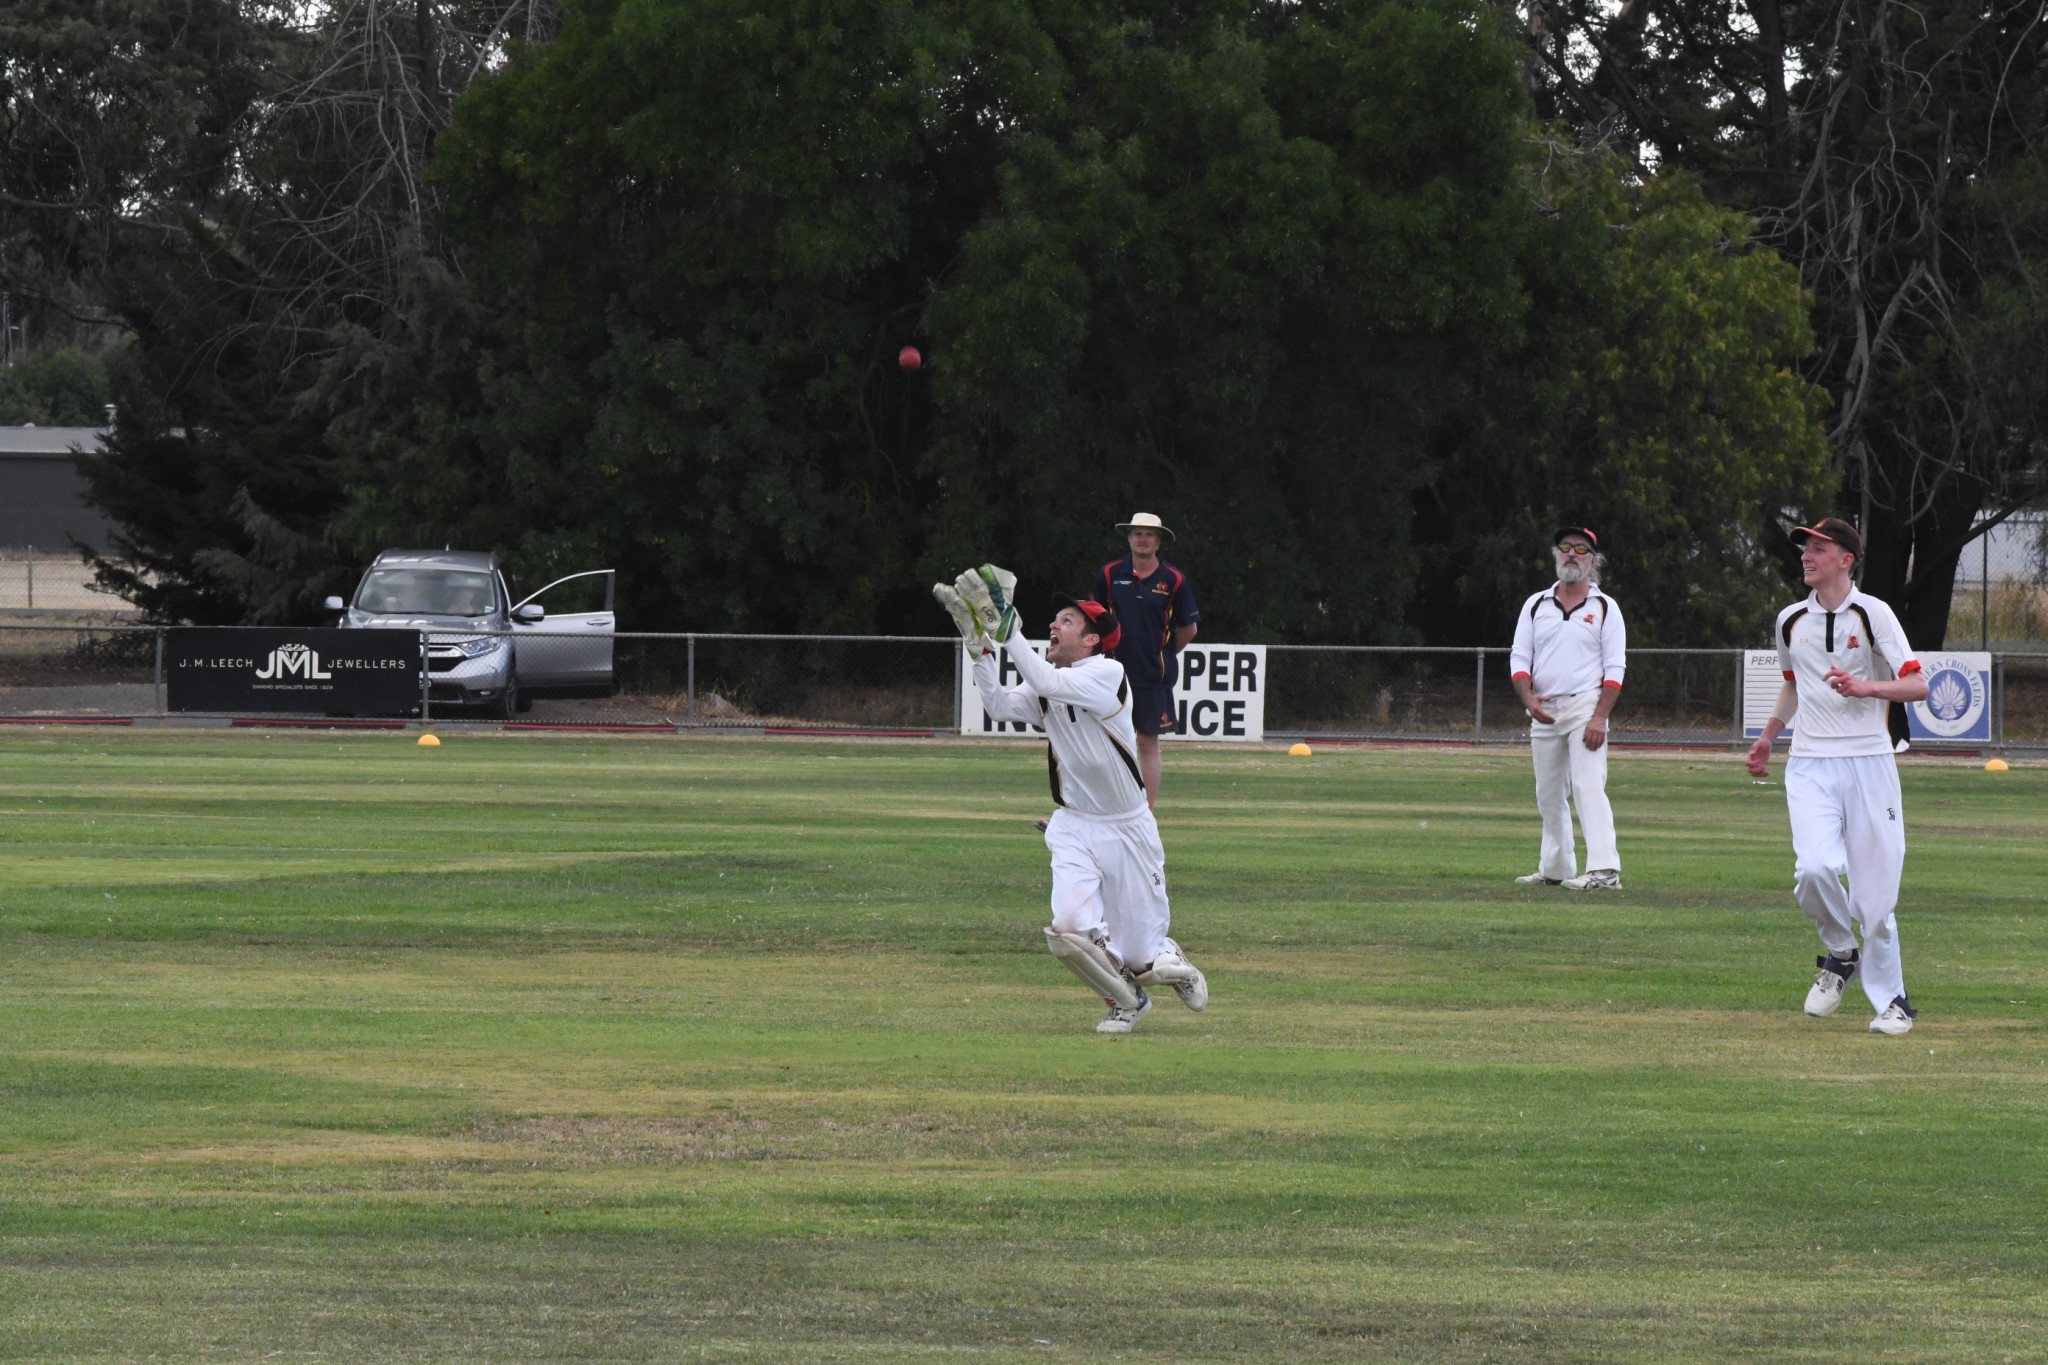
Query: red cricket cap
[1101, 617]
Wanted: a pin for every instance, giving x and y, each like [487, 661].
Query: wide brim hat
[1145, 521]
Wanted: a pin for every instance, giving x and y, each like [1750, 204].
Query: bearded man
[1570, 652]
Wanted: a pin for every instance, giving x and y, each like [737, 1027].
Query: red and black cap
[1586, 531]
[1100, 617]
[1832, 529]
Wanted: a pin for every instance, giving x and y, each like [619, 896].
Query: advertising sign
[1220, 696]
[1958, 704]
[1761, 679]
[319, 669]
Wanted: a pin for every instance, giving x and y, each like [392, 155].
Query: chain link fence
[111, 672]
[43, 582]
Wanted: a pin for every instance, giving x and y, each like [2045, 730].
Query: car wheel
[509, 703]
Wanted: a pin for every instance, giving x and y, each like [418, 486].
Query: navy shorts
[1152, 709]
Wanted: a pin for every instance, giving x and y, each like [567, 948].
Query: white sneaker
[1188, 982]
[1897, 1018]
[1538, 879]
[1602, 879]
[1121, 1020]
[1826, 996]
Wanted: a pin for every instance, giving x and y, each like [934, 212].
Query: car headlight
[478, 646]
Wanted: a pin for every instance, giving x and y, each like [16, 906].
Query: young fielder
[1109, 908]
[1844, 658]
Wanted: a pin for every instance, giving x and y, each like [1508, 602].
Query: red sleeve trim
[1615, 685]
[1912, 666]
[1523, 674]
[1789, 677]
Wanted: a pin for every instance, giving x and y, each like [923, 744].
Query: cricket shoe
[1897, 1017]
[1538, 879]
[1121, 1020]
[1605, 879]
[1172, 968]
[1826, 996]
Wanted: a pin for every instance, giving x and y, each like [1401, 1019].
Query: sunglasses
[1575, 549]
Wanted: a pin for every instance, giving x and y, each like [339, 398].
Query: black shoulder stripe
[1123, 690]
[1791, 621]
[1868, 634]
[1535, 607]
[1125, 755]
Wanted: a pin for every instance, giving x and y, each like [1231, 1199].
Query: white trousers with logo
[1109, 882]
[1849, 823]
[1569, 775]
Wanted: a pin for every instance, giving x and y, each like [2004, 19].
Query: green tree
[55, 386]
[1656, 397]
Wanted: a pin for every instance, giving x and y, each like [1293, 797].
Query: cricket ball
[909, 359]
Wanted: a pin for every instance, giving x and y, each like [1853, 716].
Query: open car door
[562, 636]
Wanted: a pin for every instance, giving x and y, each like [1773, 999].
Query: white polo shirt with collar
[1862, 637]
[1567, 652]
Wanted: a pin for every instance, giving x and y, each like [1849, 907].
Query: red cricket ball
[908, 358]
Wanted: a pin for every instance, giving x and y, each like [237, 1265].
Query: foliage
[1893, 154]
[1669, 417]
[55, 386]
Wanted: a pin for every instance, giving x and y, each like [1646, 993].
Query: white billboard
[1220, 696]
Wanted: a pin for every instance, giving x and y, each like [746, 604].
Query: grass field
[553, 1049]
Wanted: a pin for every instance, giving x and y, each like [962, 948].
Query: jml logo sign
[293, 660]
[1220, 695]
[256, 670]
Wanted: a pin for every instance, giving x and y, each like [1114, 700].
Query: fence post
[691, 681]
[1741, 681]
[31, 578]
[426, 669]
[1998, 698]
[1478, 690]
[159, 677]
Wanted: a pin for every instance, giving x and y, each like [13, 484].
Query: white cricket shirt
[1091, 747]
[1861, 637]
[1562, 652]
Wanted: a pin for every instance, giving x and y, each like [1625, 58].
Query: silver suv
[485, 650]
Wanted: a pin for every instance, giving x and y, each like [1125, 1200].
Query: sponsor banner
[1761, 679]
[1220, 696]
[1958, 704]
[319, 669]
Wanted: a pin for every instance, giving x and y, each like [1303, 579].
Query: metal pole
[959, 685]
[160, 676]
[1478, 691]
[692, 683]
[1984, 544]
[1998, 698]
[1741, 678]
[31, 578]
[426, 667]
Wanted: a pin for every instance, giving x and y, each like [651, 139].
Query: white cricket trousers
[1568, 775]
[1109, 882]
[1848, 822]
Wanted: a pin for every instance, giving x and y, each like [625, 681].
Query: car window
[582, 593]
[427, 592]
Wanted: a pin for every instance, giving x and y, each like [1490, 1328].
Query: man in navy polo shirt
[1157, 608]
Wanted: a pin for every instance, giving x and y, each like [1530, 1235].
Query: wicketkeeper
[1109, 910]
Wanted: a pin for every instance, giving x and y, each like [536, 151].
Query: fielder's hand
[987, 593]
[963, 615]
[1760, 757]
[1596, 732]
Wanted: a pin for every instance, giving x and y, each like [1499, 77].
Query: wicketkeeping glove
[962, 614]
[987, 591]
